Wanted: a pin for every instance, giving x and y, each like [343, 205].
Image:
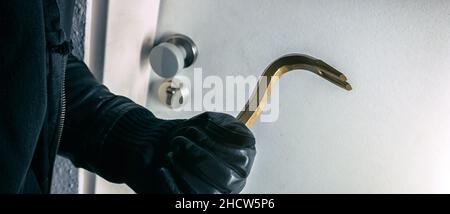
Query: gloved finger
[165, 182]
[227, 128]
[188, 182]
[240, 158]
[220, 126]
[207, 166]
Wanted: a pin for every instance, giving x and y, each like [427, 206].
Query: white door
[389, 135]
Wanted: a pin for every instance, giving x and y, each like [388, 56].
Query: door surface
[389, 135]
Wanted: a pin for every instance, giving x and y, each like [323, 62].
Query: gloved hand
[210, 153]
[125, 143]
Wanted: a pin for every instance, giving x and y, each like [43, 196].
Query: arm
[97, 120]
[125, 143]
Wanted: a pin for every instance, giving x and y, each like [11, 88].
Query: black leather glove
[210, 153]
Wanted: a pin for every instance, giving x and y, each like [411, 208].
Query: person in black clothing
[51, 104]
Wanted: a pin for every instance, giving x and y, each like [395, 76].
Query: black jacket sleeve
[98, 121]
[125, 143]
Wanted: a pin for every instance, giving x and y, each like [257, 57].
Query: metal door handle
[275, 70]
[173, 53]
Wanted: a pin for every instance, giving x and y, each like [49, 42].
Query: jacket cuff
[140, 125]
[134, 145]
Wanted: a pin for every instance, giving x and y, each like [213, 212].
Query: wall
[390, 134]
